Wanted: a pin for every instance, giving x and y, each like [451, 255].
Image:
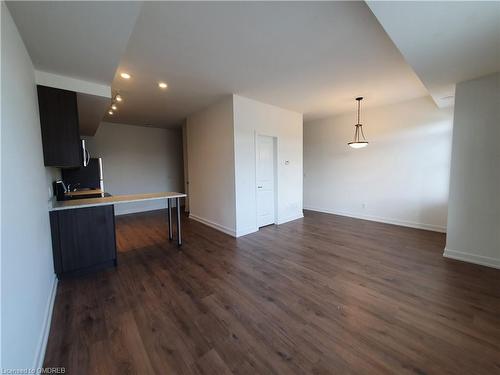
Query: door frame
[275, 172]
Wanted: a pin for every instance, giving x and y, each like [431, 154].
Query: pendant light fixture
[359, 137]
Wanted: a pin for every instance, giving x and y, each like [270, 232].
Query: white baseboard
[299, 215]
[246, 231]
[211, 224]
[404, 223]
[44, 336]
[472, 258]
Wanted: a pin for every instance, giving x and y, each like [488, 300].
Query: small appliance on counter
[59, 189]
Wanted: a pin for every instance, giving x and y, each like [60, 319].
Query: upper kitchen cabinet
[60, 130]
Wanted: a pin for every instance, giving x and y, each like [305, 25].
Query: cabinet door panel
[60, 127]
[87, 237]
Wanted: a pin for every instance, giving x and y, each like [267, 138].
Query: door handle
[87, 158]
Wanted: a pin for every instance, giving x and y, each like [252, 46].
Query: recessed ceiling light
[114, 107]
[110, 112]
[118, 98]
[162, 85]
[125, 75]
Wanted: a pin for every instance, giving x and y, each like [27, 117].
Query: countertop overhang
[115, 199]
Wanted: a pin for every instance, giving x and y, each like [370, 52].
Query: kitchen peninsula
[83, 230]
[82, 213]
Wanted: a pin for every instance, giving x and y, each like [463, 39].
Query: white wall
[474, 206]
[401, 177]
[137, 160]
[221, 163]
[252, 118]
[210, 141]
[185, 165]
[28, 279]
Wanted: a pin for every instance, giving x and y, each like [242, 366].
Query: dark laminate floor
[325, 294]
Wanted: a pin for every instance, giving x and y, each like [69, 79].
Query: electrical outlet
[363, 205]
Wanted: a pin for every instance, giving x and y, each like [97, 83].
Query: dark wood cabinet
[60, 127]
[83, 239]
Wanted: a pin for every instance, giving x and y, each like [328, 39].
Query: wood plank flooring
[320, 295]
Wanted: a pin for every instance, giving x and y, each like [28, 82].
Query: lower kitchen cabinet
[83, 239]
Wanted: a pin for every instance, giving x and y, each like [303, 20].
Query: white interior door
[265, 181]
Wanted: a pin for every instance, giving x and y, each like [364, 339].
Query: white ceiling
[444, 42]
[311, 57]
[80, 39]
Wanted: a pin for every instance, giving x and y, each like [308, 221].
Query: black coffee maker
[60, 190]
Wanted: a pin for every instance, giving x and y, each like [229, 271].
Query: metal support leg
[179, 239]
[170, 235]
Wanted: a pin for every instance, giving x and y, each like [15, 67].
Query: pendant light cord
[359, 101]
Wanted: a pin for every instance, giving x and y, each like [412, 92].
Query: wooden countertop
[84, 192]
[115, 199]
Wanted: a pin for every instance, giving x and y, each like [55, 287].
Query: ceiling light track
[117, 98]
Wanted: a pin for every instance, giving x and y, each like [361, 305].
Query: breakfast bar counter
[128, 198]
[83, 230]
[114, 199]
